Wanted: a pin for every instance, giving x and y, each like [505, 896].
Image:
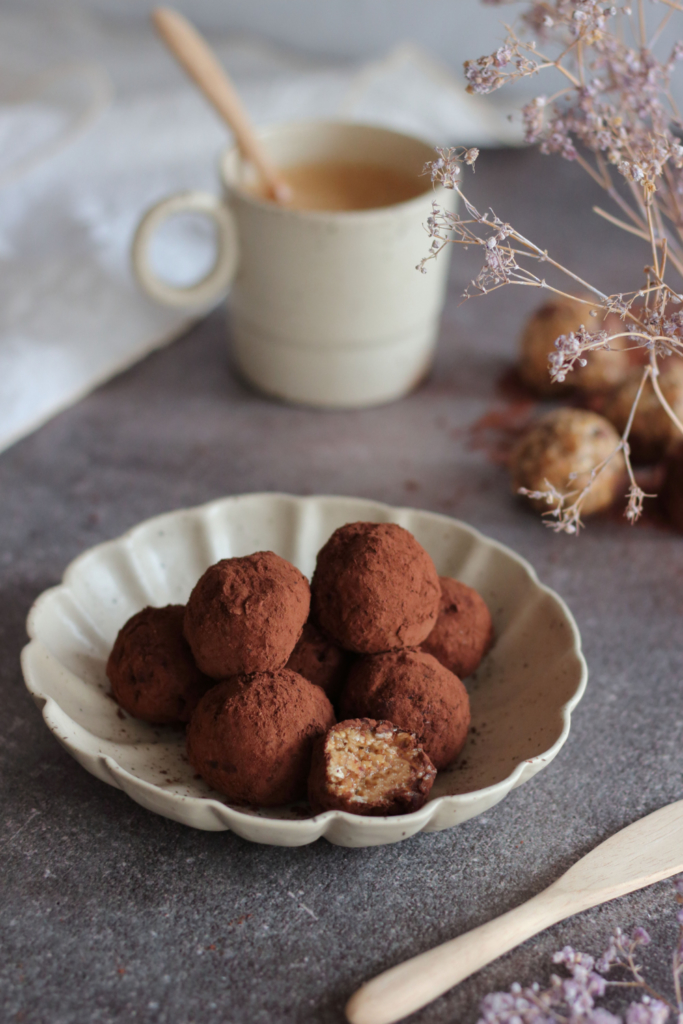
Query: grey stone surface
[111, 914]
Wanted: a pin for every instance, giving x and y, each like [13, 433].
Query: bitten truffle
[320, 660]
[463, 632]
[603, 370]
[375, 588]
[246, 614]
[251, 736]
[671, 495]
[566, 442]
[415, 692]
[368, 767]
[652, 431]
[151, 670]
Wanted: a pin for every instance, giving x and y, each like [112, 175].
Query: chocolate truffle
[246, 614]
[463, 632]
[368, 767]
[671, 496]
[251, 736]
[320, 660]
[415, 692]
[566, 442]
[375, 588]
[652, 431]
[151, 670]
[562, 315]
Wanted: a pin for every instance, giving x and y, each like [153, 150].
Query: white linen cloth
[86, 146]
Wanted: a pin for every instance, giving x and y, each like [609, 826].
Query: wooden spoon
[194, 54]
[642, 853]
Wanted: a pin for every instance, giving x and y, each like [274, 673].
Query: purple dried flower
[577, 997]
[649, 1011]
[607, 960]
[614, 114]
[600, 1016]
[596, 985]
[572, 1000]
[570, 351]
[481, 78]
[502, 56]
[677, 52]
[634, 508]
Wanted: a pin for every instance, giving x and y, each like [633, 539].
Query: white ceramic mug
[327, 307]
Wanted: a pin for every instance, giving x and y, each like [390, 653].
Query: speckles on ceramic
[521, 696]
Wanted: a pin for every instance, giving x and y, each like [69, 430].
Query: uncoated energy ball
[375, 588]
[246, 614]
[463, 632]
[652, 430]
[415, 692]
[251, 737]
[151, 670]
[564, 442]
[368, 767]
[603, 370]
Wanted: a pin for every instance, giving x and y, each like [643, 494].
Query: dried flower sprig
[615, 115]
[565, 514]
[572, 999]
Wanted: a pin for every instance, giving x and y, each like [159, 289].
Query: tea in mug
[337, 185]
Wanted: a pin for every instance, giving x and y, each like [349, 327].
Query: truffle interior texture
[368, 767]
[366, 764]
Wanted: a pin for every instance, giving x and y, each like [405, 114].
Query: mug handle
[210, 288]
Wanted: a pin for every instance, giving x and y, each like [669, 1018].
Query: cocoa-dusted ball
[671, 495]
[246, 614]
[652, 430]
[463, 632]
[367, 767]
[320, 660]
[151, 670]
[566, 442]
[563, 315]
[251, 736]
[415, 692]
[375, 588]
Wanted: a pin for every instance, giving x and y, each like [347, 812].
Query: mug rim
[233, 191]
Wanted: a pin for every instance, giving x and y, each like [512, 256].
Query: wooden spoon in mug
[647, 851]
[195, 55]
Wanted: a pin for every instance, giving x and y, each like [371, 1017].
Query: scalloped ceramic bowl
[521, 696]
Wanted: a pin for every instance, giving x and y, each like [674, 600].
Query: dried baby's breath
[572, 999]
[616, 117]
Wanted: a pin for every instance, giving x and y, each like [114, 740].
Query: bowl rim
[231, 815]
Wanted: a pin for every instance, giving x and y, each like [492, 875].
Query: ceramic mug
[327, 307]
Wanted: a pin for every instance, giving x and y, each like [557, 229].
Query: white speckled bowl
[522, 695]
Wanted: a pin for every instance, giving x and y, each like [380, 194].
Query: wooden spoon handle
[642, 853]
[408, 986]
[201, 64]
